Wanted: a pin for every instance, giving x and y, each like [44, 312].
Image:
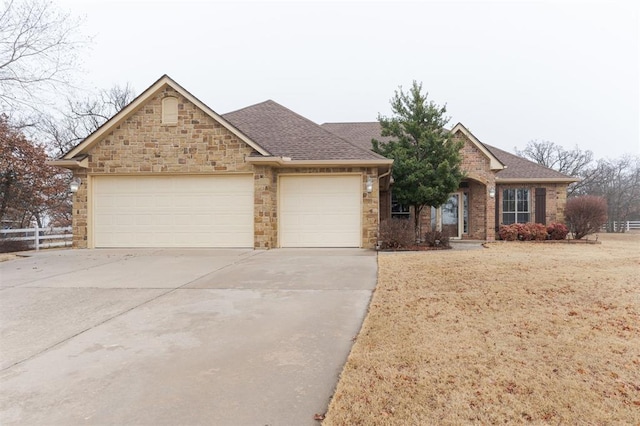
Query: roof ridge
[350, 122]
[370, 151]
[249, 106]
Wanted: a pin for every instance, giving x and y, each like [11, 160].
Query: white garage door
[173, 211]
[320, 211]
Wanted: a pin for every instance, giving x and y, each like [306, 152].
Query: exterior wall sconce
[74, 185]
[492, 192]
[369, 186]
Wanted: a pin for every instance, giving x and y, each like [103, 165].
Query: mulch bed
[416, 248]
[550, 241]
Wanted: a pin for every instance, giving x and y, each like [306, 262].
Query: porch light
[369, 184]
[492, 192]
[74, 185]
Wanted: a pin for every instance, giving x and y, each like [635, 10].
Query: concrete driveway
[220, 337]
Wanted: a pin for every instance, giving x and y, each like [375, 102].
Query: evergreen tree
[426, 167]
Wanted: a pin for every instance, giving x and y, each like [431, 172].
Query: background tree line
[617, 180]
[43, 113]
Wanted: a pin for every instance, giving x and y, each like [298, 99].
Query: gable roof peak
[133, 106]
[494, 162]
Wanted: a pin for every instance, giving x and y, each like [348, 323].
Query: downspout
[379, 178]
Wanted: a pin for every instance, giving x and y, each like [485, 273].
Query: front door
[452, 215]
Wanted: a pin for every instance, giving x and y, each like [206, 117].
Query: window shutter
[541, 205]
[497, 211]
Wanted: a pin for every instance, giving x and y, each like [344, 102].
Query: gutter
[288, 162]
[79, 162]
[533, 180]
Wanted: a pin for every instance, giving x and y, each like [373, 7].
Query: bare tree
[618, 181]
[61, 133]
[572, 162]
[38, 46]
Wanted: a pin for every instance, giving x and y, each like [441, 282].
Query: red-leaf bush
[523, 232]
[557, 231]
[508, 232]
[396, 234]
[537, 231]
[585, 215]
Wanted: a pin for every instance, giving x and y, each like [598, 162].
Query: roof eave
[71, 164]
[532, 180]
[288, 162]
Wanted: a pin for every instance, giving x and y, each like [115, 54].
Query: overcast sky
[511, 72]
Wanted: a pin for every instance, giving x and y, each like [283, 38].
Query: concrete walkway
[224, 337]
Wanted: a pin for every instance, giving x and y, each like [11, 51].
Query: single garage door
[173, 211]
[320, 211]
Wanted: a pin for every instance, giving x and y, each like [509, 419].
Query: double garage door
[218, 211]
[173, 211]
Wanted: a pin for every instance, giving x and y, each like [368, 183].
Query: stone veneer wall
[141, 144]
[197, 144]
[265, 208]
[80, 211]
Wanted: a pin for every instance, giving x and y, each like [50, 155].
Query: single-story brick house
[168, 171]
[499, 187]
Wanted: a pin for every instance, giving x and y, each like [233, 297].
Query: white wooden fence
[39, 237]
[627, 226]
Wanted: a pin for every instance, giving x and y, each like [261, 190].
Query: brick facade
[478, 179]
[556, 200]
[197, 144]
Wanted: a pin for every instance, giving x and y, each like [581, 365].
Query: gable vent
[170, 111]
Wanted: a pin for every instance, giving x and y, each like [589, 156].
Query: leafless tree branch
[38, 50]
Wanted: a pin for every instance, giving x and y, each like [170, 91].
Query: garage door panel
[320, 211]
[173, 211]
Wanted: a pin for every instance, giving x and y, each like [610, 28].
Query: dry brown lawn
[514, 333]
[7, 256]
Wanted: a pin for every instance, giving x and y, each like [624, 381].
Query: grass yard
[514, 333]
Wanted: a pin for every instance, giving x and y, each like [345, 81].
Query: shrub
[396, 234]
[557, 231]
[537, 231]
[508, 232]
[437, 239]
[523, 232]
[585, 215]
[10, 246]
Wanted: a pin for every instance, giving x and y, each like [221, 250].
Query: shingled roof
[358, 133]
[517, 168]
[283, 133]
[521, 168]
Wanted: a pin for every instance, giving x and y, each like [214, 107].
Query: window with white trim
[398, 210]
[170, 111]
[515, 206]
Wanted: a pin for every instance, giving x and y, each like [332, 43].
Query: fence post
[36, 233]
